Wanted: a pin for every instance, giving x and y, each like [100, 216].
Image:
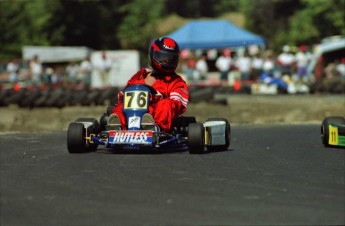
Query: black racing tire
[41, 100]
[180, 124]
[76, 142]
[92, 97]
[4, 94]
[202, 94]
[16, 97]
[94, 130]
[196, 138]
[78, 97]
[337, 120]
[103, 121]
[104, 118]
[54, 97]
[227, 136]
[110, 109]
[106, 95]
[64, 99]
[29, 99]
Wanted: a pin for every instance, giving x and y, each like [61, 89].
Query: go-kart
[86, 134]
[333, 131]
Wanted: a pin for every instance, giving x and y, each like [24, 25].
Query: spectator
[257, 65]
[190, 68]
[86, 71]
[268, 63]
[212, 54]
[341, 68]
[331, 71]
[13, 70]
[48, 76]
[104, 69]
[182, 66]
[286, 60]
[201, 67]
[302, 61]
[72, 70]
[35, 70]
[223, 64]
[58, 76]
[332, 78]
[243, 64]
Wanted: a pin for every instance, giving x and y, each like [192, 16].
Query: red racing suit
[174, 99]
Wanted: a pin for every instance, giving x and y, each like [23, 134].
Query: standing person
[173, 95]
[35, 70]
[302, 61]
[86, 71]
[286, 60]
[243, 64]
[257, 64]
[72, 70]
[104, 69]
[201, 67]
[48, 76]
[223, 64]
[190, 70]
[268, 64]
[341, 68]
[13, 70]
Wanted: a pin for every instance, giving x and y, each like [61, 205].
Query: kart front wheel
[196, 138]
[334, 120]
[94, 129]
[76, 142]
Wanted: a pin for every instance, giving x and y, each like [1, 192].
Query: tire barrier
[60, 97]
[334, 86]
[212, 95]
[57, 97]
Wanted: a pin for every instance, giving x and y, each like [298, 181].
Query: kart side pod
[333, 131]
[217, 134]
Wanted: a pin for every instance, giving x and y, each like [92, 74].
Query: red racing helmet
[164, 55]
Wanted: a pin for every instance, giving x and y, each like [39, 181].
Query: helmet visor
[166, 59]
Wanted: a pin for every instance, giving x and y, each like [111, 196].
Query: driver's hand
[157, 97]
[120, 97]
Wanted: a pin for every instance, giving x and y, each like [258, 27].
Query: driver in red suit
[173, 95]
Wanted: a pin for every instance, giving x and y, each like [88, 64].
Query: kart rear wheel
[196, 138]
[337, 120]
[180, 124]
[227, 134]
[76, 142]
[110, 109]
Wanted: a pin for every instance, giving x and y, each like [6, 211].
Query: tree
[88, 23]
[318, 19]
[138, 25]
[132, 24]
[21, 23]
[294, 22]
[270, 18]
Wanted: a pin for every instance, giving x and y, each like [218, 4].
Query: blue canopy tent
[217, 34]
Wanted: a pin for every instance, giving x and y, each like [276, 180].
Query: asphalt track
[271, 175]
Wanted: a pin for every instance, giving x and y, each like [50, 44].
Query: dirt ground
[240, 109]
